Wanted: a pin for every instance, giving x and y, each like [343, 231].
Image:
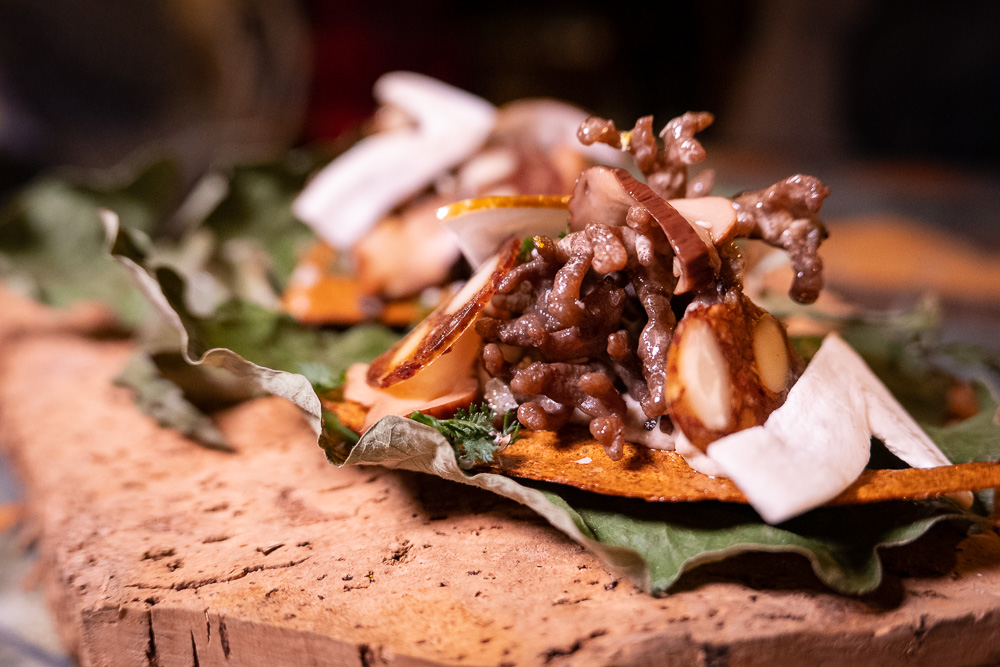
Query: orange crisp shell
[573, 458]
[328, 297]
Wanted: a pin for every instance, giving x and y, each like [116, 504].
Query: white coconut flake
[816, 444]
[584, 461]
[697, 459]
[381, 171]
[635, 428]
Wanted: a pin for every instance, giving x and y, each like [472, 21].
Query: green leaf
[336, 439]
[240, 237]
[839, 543]
[52, 249]
[257, 346]
[164, 401]
[527, 247]
[258, 210]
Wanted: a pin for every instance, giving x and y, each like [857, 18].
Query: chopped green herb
[527, 246]
[472, 434]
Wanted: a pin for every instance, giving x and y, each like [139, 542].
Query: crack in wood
[224, 637]
[569, 601]
[196, 584]
[920, 632]
[715, 655]
[194, 650]
[559, 652]
[152, 659]
[366, 655]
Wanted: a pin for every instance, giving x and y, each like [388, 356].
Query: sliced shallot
[481, 225]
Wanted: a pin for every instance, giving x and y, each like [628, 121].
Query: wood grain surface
[157, 552]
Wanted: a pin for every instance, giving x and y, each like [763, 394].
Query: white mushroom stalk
[382, 171]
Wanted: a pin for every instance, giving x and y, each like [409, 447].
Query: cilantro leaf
[472, 434]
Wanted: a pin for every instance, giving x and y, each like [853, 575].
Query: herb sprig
[472, 433]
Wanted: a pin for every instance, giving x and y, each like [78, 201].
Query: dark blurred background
[898, 100]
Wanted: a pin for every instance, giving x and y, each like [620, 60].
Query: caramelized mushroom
[437, 334]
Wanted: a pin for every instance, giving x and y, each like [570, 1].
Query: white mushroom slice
[605, 195]
[439, 332]
[480, 226]
[816, 444]
[381, 171]
[443, 386]
[715, 215]
[598, 196]
[492, 165]
[552, 123]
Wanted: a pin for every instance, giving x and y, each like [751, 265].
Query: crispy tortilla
[572, 458]
[317, 295]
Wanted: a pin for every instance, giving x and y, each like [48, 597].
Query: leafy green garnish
[321, 377]
[472, 434]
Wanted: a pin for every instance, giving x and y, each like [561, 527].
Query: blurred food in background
[377, 205]
[913, 86]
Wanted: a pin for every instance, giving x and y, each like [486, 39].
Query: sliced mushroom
[598, 196]
[715, 215]
[730, 364]
[817, 444]
[480, 226]
[605, 196]
[436, 335]
[698, 260]
[381, 171]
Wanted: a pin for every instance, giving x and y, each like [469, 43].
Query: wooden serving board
[155, 551]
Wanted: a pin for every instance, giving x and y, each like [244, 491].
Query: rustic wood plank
[158, 552]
